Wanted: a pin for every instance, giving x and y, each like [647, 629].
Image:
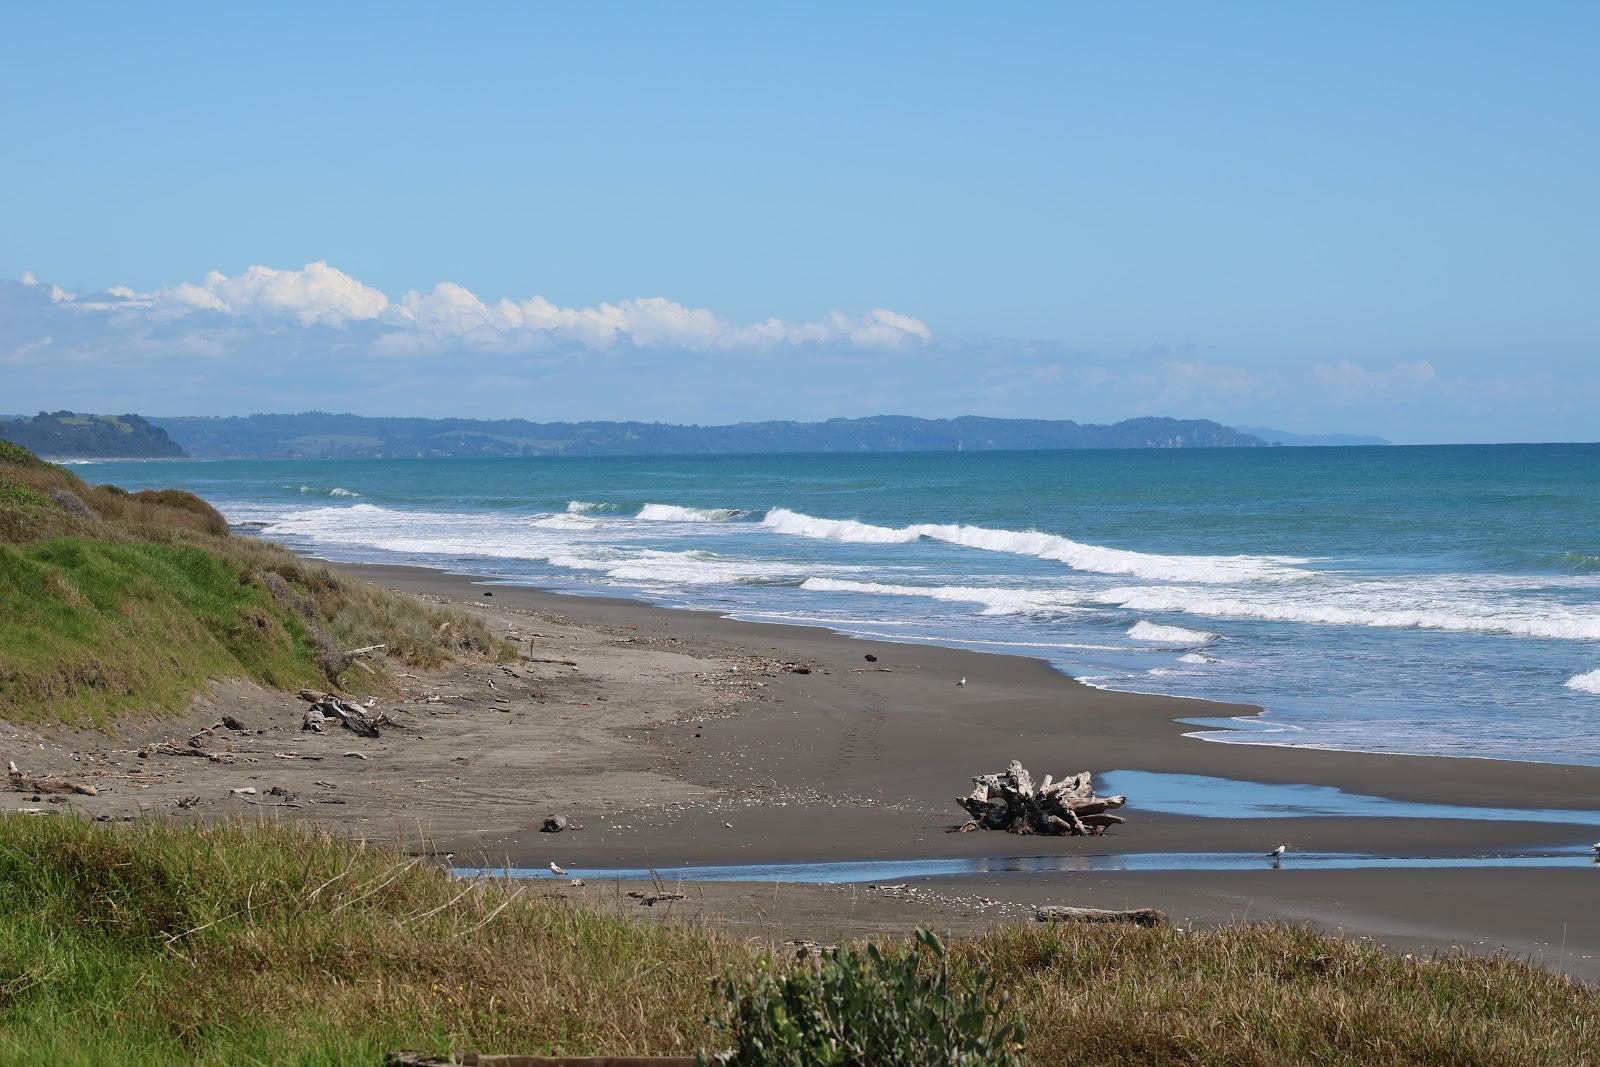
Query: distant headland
[322, 434]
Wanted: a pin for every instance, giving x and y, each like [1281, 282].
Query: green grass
[96, 629]
[159, 945]
[117, 604]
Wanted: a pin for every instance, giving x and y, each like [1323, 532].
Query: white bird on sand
[963, 680]
[555, 869]
[1595, 848]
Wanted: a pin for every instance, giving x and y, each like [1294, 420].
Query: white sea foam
[1075, 554]
[1384, 605]
[1196, 657]
[565, 522]
[674, 513]
[656, 567]
[340, 490]
[1587, 682]
[1168, 635]
[590, 507]
[995, 601]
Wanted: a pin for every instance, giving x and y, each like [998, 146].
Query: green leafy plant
[858, 1007]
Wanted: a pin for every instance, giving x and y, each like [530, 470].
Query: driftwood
[1011, 801]
[650, 900]
[44, 783]
[327, 706]
[554, 824]
[172, 748]
[1138, 916]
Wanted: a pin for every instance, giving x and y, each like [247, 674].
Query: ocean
[1433, 600]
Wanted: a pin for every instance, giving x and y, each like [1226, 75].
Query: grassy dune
[115, 603]
[158, 945]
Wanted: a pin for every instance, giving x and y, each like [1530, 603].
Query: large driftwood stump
[1011, 801]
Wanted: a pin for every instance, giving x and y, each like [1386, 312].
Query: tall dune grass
[158, 945]
[115, 604]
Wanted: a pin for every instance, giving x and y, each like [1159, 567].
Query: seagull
[963, 680]
[1276, 855]
[1595, 848]
[555, 869]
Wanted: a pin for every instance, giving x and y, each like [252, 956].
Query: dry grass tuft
[258, 944]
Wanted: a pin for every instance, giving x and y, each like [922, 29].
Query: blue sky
[1369, 217]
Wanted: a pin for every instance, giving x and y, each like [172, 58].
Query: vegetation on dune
[115, 603]
[154, 944]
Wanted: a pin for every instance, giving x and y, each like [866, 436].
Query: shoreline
[840, 766]
[681, 738]
[1480, 781]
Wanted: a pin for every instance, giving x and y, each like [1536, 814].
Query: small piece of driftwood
[1012, 801]
[554, 824]
[1137, 916]
[20, 782]
[650, 900]
[367, 651]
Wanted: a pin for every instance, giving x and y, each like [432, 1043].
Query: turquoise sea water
[1421, 599]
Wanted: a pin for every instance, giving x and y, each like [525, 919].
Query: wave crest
[995, 601]
[675, 513]
[1168, 635]
[1587, 682]
[1075, 554]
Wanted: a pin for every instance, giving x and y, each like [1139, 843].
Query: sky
[1362, 217]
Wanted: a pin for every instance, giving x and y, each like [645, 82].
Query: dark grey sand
[654, 746]
[837, 765]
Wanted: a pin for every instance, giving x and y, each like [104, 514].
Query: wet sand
[841, 765]
[682, 738]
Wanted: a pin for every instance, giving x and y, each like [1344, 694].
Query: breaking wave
[1587, 682]
[312, 490]
[1075, 554]
[1529, 620]
[995, 601]
[1168, 635]
[674, 513]
[590, 507]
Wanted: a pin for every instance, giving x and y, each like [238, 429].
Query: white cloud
[451, 316]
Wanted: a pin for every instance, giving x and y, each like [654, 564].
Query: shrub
[861, 1008]
[73, 504]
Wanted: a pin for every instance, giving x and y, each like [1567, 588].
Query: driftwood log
[1137, 916]
[326, 706]
[1012, 801]
[22, 782]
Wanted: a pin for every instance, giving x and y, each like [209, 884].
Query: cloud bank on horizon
[320, 295]
[268, 339]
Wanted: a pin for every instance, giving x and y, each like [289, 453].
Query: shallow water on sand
[879, 871]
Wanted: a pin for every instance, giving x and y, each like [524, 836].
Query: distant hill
[65, 434]
[321, 434]
[1284, 437]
